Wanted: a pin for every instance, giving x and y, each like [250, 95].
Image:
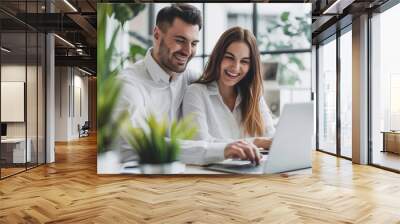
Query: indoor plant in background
[109, 64]
[158, 154]
[293, 28]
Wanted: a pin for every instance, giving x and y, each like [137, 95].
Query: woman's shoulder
[197, 88]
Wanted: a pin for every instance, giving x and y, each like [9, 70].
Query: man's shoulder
[134, 71]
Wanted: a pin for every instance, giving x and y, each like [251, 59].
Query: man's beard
[165, 59]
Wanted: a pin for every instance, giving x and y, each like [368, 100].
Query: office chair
[84, 130]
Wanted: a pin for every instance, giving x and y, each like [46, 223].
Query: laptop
[291, 147]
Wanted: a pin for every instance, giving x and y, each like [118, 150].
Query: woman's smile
[232, 75]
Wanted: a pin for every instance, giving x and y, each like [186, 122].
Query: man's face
[175, 47]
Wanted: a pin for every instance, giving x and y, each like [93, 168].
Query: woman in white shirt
[227, 101]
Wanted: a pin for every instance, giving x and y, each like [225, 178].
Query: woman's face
[235, 63]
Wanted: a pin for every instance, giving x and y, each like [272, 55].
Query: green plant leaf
[136, 50]
[297, 61]
[122, 12]
[285, 16]
[155, 146]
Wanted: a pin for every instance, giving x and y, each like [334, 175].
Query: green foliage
[136, 50]
[294, 27]
[152, 144]
[285, 16]
[125, 12]
[109, 87]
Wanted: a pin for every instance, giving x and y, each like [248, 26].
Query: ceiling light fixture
[64, 40]
[5, 50]
[70, 5]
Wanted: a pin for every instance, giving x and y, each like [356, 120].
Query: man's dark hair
[187, 13]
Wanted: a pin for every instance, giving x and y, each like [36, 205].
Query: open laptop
[291, 147]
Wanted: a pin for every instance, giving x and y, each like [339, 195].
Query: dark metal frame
[44, 74]
[338, 98]
[369, 77]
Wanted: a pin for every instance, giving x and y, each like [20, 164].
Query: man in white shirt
[158, 83]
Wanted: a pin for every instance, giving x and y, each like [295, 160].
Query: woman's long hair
[250, 87]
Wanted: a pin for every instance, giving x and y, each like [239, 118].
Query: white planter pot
[108, 163]
[165, 168]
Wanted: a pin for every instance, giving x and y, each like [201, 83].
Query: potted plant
[158, 153]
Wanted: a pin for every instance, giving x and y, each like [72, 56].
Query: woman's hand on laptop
[263, 142]
[243, 150]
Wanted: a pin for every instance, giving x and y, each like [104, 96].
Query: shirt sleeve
[194, 105]
[201, 152]
[131, 99]
[205, 149]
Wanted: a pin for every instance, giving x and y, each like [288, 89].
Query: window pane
[13, 84]
[31, 100]
[327, 97]
[346, 94]
[386, 89]
[287, 79]
[220, 17]
[196, 65]
[284, 26]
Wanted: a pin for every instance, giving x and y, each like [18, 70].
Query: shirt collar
[156, 72]
[213, 90]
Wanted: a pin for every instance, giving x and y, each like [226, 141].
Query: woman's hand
[243, 150]
[263, 142]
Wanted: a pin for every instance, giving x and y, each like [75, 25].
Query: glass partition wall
[327, 79]
[334, 95]
[22, 77]
[385, 90]
[346, 93]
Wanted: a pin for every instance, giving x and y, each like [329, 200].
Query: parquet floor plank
[70, 191]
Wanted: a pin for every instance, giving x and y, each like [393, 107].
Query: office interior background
[48, 81]
[48, 71]
[48, 88]
[28, 43]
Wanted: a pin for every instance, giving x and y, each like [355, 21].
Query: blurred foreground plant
[109, 87]
[152, 144]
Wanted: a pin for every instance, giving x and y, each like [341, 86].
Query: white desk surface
[189, 169]
[193, 169]
[13, 140]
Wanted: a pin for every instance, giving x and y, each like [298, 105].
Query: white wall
[61, 103]
[71, 94]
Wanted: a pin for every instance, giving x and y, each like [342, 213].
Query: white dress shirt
[146, 89]
[214, 119]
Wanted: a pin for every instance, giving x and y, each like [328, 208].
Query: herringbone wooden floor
[70, 191]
